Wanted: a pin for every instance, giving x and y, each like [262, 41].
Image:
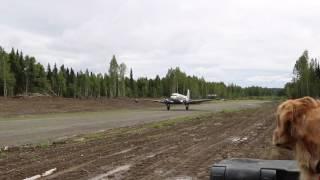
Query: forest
[306, 78]
[22, 75]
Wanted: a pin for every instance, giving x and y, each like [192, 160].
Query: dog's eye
[288, 126]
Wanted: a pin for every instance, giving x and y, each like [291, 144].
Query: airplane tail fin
[188, 95]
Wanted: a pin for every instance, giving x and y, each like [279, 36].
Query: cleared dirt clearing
[178, 148]
[41, 128]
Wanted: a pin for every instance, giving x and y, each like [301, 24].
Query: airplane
[177, 98]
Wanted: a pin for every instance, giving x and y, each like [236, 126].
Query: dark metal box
[254, 169]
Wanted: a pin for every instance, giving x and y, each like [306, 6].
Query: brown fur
[298, 129]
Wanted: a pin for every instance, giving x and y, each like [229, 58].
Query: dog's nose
[278, 145]
[285, 146]
[318, 167]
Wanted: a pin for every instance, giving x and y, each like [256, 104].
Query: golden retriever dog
[298, 129]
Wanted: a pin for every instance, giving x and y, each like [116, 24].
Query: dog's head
[290, 117]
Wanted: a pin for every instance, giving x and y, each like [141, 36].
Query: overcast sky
[247, 42]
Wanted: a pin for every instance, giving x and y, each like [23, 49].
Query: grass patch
[164, 124]
[174, 121]
[123, 131]
[91, 136]
[3, 154]
[230, 110]
[44, 145]
[138, 129]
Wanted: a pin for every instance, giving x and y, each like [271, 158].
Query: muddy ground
[177, 148]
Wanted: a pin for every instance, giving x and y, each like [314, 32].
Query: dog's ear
[286, 114]
[291, 120]
[301, 106]
[299, 109]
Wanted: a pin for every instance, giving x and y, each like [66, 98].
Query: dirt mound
[46, 104]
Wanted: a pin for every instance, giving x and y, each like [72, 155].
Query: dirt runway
[36, 126]
[180, 148]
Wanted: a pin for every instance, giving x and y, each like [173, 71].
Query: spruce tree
[113, 74]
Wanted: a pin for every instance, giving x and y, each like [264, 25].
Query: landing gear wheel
[187, 107]
[168, 107]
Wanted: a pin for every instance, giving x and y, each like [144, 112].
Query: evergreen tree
[132, 88]
[49, 75]
[7, 79]
[122, 72]
[61, 82]
[113, 73]
[301, 75]
[23, 74]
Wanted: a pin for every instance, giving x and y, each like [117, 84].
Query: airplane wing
[164, 101]
[198, 101]
[159, 101]
[152, 100]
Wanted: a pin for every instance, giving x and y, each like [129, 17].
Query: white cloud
[267, 80]
[246, 42]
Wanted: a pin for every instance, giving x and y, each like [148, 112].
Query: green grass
[138, 129]
[44, 145]
[3, 154]
[174, 121]
[229, 110]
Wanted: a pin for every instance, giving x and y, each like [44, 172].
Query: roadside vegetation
[22, 75]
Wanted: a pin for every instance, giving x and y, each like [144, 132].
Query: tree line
[306, 78]
[21, 74]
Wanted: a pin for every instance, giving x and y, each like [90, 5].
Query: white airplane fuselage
[179, 98]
